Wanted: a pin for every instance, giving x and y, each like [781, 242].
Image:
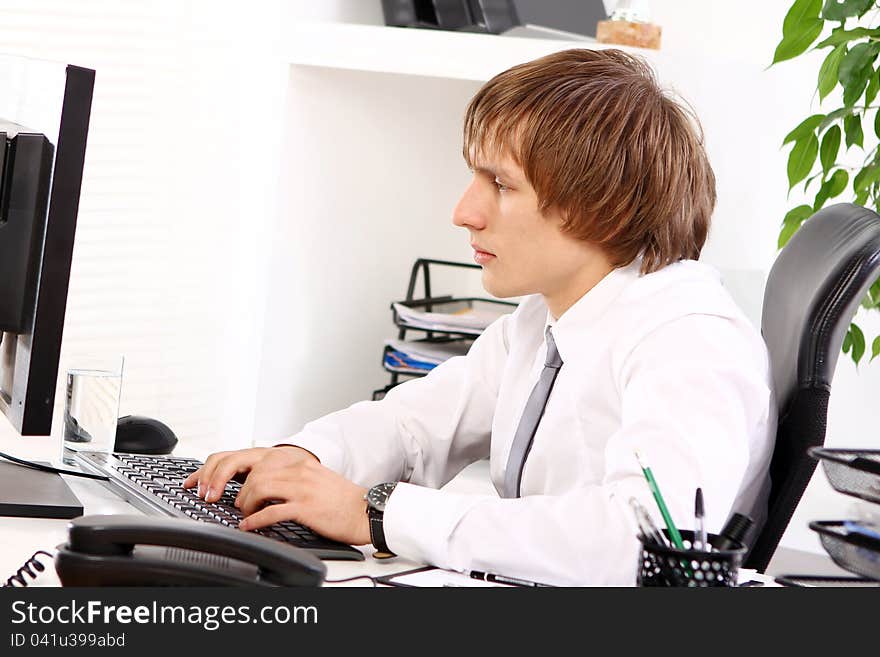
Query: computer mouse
[143, 435]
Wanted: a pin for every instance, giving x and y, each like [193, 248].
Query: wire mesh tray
[856, 552]
[854, 472]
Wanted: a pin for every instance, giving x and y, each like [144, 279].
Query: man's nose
[470, 211]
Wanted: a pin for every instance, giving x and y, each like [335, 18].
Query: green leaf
[801, 159]
[838, 10]
[858, 343]
[855, 69]
[866, 177]
[861, 197]
[832, 187]
[830, 147]
[847, 341]
[874, 292]
[842, 112]
[786, 234]
[837, 183]
[809, 181]
[821, 197]
[792, 222]
[877, 123]
[840, 36]
[875, 348]
[873, 88]
[798, 42]
[799, 29]
[805, 128]
[852, 129]
[798, 215]
[828, 71]
[800, 11]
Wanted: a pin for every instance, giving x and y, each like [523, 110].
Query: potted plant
[821, 144]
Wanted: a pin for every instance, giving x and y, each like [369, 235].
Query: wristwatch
[376, 499]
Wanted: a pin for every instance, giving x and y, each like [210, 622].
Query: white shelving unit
[431, 53]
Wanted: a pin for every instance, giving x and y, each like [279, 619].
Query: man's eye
[500, 185]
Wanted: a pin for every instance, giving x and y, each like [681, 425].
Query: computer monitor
[44, 120]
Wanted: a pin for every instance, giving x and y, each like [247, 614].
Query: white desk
[21, 537]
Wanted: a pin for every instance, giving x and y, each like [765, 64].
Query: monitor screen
[44, 119]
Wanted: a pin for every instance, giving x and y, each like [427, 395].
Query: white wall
[367, 189]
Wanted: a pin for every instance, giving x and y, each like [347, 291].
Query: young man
[591, 194]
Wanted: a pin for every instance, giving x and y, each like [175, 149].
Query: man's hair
[601, 142]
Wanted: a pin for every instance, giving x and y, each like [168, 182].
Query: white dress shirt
[664, 363]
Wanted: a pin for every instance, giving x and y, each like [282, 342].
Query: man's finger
[256, 493]
[268, 516]
[207, 470]
[215, 483]
[193, 479]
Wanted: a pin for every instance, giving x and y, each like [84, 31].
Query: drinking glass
[91, 406]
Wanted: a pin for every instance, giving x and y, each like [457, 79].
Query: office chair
[813, 291]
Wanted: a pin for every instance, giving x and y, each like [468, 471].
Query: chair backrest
[813, 291]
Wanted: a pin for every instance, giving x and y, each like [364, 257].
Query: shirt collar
[568, 329]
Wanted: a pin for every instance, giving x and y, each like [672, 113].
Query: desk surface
[23, 536]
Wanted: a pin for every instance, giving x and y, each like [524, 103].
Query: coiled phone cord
[18, 579]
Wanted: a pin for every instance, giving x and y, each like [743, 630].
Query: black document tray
[853, 472]
[857, 553]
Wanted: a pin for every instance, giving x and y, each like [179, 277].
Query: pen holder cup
[660, 565]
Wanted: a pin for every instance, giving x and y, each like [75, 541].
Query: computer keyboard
[154, 484]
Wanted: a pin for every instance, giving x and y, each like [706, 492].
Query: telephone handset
[129, 550]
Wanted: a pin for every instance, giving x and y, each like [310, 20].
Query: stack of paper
[430, 352]
[420, 356]
[466, 317]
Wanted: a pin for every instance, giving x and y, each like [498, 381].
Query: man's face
[521, 250]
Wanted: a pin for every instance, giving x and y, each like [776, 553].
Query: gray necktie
[531, 417]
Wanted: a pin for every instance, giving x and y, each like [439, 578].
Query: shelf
[431, 53]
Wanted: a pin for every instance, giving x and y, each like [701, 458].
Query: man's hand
[287, 483]
[306, 492]
[219, 468]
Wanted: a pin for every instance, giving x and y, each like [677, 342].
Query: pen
[646, 524]
[502, 579]
[700, 524]
[865, 529]
[655, 491]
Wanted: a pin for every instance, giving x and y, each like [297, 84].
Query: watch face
[378, 495]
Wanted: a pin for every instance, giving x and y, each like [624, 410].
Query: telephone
[130, 550]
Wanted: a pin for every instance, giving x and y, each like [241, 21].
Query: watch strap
[377, 534]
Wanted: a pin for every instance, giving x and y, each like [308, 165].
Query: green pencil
[655, 491]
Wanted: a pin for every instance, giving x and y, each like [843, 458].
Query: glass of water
[91, 405]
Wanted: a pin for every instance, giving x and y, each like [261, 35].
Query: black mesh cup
[667, 566]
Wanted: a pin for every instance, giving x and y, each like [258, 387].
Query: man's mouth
[481, 256]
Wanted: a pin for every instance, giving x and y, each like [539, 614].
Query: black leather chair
[812, 293]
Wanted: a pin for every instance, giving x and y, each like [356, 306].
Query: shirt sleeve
[424, 431]
[693, 393]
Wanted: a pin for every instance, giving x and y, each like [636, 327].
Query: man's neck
[580, 284]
